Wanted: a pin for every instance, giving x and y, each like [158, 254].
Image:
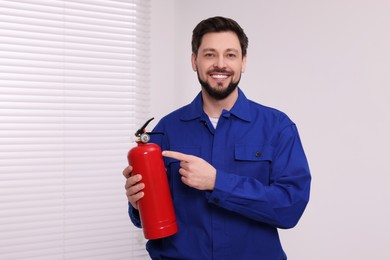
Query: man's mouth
[219, 75]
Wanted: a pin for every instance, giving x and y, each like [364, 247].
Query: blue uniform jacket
[262, 183]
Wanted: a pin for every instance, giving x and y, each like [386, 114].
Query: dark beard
[218, 94]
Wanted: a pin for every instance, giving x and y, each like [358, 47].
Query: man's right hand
[133, 186]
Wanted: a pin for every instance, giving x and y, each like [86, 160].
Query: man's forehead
[220, 40]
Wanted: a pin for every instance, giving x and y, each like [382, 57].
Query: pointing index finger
[177, 155]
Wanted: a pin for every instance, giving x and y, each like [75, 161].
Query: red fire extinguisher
[156, 208]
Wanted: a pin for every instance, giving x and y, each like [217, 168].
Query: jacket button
[216, 200]
[258, 154]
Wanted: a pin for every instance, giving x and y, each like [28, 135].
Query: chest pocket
[253, 161]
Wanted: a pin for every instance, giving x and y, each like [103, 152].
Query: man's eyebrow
[213, 50]
[232, 49]
[208, 49]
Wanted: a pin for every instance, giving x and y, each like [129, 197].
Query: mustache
[219, 71]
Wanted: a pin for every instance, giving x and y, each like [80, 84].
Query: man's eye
[231, 55]
[209, 55]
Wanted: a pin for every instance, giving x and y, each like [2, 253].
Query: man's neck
[214, 108]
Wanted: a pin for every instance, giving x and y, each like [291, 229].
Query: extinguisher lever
[142, 129]
[142, 135]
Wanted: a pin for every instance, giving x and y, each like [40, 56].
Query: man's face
[219, 63]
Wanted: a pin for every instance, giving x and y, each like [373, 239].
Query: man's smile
[219, 76]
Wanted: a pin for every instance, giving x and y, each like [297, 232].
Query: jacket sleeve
[134, 216]
[283, 201]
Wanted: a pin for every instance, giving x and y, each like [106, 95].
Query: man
[236, 169]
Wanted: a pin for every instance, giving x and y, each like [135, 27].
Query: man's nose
[220, 62]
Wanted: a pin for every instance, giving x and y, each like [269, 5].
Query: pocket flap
[250, 152]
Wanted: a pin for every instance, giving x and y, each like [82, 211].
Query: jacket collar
[240, 109]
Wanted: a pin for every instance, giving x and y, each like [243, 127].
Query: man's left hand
[195, 172]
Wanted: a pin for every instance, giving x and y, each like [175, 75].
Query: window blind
[73, 90]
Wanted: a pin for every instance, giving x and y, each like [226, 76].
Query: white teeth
[219, 76]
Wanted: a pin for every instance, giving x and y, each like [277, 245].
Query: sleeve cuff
[134, 216]
[223, 185]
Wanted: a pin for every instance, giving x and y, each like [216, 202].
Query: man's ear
[193, 62]
[243, 64]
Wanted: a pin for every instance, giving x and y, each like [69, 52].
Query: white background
[326, 64]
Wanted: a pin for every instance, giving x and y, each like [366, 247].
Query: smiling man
[236, 169]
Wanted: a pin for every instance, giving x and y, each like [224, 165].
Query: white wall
[163, 54]
[326, 64]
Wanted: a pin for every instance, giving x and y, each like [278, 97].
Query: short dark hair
[218, 24]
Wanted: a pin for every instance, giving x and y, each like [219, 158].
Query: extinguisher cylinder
[156, 207]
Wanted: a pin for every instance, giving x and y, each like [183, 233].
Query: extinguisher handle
[154, 133]
[142, 129]
[142, 135]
